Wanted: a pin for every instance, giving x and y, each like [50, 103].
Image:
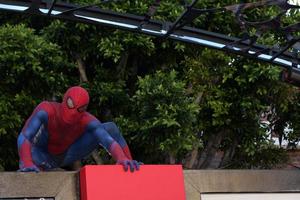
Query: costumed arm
[117, 152]
[127, 151]
[115, 133]
[25, 140]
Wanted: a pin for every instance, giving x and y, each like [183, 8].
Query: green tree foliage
[163, 118]
[32, 69]
[233, 92]
[175, 102]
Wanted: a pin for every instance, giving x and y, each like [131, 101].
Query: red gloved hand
[118, 154]
[133, 164]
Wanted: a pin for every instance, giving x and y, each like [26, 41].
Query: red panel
[151, 182]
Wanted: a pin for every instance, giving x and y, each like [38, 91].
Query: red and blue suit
[58, 134]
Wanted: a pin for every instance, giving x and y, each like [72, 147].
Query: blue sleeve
[26, 136]
[34, 123]
[102, 136]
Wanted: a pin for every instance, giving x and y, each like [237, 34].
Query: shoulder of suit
[48, 107]
[88, 117]
[90, 121]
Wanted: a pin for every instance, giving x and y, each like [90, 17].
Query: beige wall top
[64, 185]
[61, 185]
[236, 181]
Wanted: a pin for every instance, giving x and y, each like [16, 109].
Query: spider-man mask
[74, 104]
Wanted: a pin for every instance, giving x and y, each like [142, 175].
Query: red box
[151, 182]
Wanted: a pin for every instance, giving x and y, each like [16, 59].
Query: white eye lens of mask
[70, 103]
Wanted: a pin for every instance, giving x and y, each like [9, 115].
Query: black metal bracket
[245, 46]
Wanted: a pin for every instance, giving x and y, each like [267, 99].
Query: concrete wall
[64, 185]
[60, 185]
[237, 181]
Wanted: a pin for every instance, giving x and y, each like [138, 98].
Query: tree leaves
[163, 114]
[149, 86]
[31, 69]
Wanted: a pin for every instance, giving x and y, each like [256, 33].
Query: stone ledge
[240, 181]
[59, 185]
[64, 185]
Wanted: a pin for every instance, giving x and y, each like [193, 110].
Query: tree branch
[81, 68]
[210, 150]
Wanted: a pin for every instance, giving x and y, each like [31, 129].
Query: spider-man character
[58, 134]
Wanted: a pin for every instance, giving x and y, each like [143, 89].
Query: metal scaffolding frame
[245, 46]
